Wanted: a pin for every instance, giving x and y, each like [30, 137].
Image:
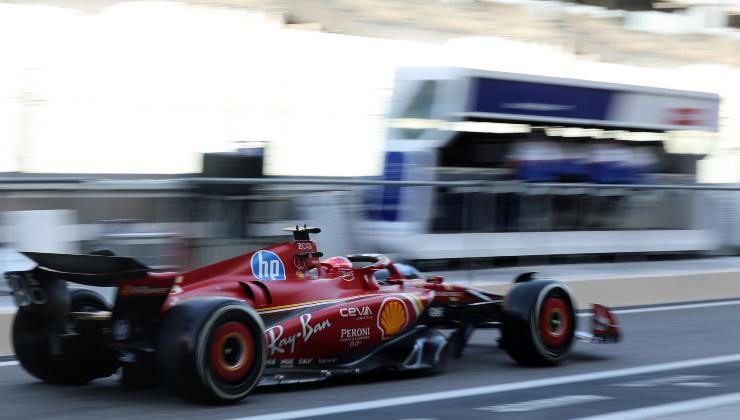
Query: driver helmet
[334, 266]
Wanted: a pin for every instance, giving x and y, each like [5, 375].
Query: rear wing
[302, 233]
[90, 270]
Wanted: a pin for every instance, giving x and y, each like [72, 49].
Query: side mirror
[435, 279]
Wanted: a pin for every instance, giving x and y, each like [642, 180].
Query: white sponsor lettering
[354, 336]
[305, 361]
[309, 330]
[267, 265]
[276, 343]
[537, 106]
[363, 312]
[286, 363]
[355, 333]
[304, 246]
[544, 403]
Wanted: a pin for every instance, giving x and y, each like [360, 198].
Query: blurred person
[575, 161]
[611, 163]
[536, 160]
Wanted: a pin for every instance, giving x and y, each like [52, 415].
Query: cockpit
[408, 272]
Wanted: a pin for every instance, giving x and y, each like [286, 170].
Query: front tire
[539, 323]
[212, 350]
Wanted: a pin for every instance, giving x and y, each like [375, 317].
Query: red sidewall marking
[555, 336]
[241, 335]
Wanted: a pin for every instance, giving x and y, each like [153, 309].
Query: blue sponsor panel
[267, 265]
[529, 99]
[391, 196]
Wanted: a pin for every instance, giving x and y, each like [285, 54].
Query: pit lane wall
[639, 290]
[613, 292]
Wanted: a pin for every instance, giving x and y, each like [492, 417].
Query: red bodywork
[328, 312]
[319, 310]
[281, 315]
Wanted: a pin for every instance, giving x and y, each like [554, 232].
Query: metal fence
[186, 222]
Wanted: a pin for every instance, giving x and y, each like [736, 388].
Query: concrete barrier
[613, 292]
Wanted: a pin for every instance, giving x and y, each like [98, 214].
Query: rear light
[25, 290]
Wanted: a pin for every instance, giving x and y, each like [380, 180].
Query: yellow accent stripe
[421, 304]
[301, 304]
[315, 302]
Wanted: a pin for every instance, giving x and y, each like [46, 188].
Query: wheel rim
[232, 351]
[555, 322]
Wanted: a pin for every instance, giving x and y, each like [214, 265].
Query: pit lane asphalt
[649, 338]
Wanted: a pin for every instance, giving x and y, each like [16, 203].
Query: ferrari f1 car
[275, 315]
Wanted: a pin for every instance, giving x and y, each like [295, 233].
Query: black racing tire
[539, 323]
[32, 342]
[86, 300]
[212, 350]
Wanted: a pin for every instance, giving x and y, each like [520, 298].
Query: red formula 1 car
[274, 315]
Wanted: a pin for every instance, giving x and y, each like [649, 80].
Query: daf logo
[266, 265]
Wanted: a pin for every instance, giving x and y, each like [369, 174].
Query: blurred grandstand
[640, 32]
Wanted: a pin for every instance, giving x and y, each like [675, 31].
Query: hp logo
[266, 265]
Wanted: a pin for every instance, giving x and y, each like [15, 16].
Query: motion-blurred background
[452, 133]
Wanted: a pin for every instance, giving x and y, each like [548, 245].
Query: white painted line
[699, 384]
[9, 363]
[493, 389]
[419, 418]
[668, 307]
[667, 380]
[544, 403]
[670, 409]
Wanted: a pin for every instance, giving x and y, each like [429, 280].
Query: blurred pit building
[181, 132]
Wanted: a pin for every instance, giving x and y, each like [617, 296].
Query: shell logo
[393, 317]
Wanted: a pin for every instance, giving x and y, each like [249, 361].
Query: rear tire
[539, 323]
[33, 338]
[212, 350]
[86, 300]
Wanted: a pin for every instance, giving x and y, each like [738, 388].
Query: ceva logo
[266, 265]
